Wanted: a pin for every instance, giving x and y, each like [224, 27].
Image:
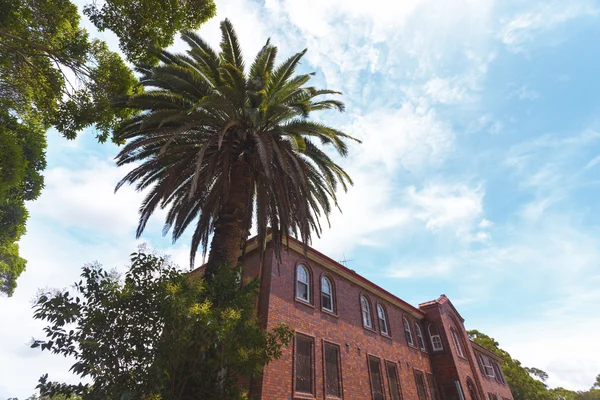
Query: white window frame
[382, 317]
[408, 332]
[436, 340]
[325, 281]
[456, 341]
[300, 282]
[365, 311]
[419, 334]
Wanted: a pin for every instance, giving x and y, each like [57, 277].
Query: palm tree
[220, 147]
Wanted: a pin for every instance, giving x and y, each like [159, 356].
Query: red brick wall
[449, 366]
[344, 328]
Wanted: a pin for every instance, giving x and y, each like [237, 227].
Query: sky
[478, 176]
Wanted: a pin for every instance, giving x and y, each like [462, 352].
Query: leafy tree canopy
[528, 383]
[156, 333]
[53, 74]
[150, 23]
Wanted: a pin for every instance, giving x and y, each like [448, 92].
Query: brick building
[355, 340]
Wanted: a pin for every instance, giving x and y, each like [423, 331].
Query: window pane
[302, 291]
[302, 274]
[420, 336]
[434, 335]
[366, 312]
[325, 286]
[326, 302]
[408, 333]
[392, 375]
[376, 386]
[456, 342]
[420, 385]
[304, 364]
[382, 320]
[332, 371]
[432, 387]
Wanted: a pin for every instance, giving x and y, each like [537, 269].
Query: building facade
[355, 340]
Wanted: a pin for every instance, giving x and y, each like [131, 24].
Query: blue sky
[479, 175]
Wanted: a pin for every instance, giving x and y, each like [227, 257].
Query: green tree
[219, 146]
[157, 333]
[22, 150]
[148, 23]
[53, 74]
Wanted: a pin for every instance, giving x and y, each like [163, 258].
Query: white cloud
[525, 27]
[85, 198]
[554, 345]
[411, 137]
[455, 207]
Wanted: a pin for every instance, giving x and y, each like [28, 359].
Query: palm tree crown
[219, 147]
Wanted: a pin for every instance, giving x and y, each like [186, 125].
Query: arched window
[434, 335]
[383, 325]
[456, 342]
[366, 312]
[419, 336]
[471, 388]
[302, 283]
[408, 333]
[326, 294]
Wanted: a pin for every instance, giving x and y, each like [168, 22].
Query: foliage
[53, 74]
[157, 333]
[22, 151]
[528, 383]
[151, 23]
[215, 143]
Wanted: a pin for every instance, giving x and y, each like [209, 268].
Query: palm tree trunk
[229, 235]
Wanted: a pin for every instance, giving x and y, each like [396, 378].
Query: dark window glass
[420, 381]
[304, 364]
[419, 336]
[326, 295]
[332, 370]
[392, 374]
[498, 372]
[432, 387]
[471, 389]
[376, 385]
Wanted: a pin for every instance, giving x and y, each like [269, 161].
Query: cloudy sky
[478, 176]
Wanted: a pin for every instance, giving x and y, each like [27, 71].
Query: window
[366, 312]
[333, 387]
[480, 362]
[434, 335]
[456, 342]
[419, 336]
[432, 388]
[420, 381]
[488, 369]
[392, 374]
[383, 326]
[304, 365]
[408, 333]
[492, 396]
[326, 294]
[302, 284]
[471, 388]
[375, 374]
[498, 372]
